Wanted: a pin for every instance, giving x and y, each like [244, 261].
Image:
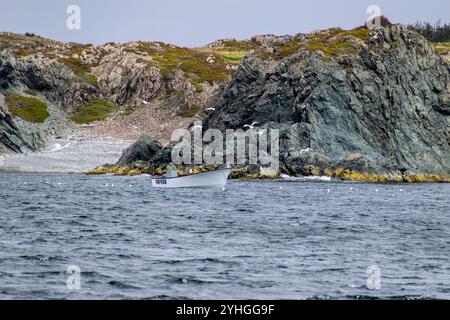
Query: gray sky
[198, 22]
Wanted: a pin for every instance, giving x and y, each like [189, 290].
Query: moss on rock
[27, 108]
[388, 177]
[80, 69]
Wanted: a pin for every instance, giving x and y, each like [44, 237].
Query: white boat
[216, 179]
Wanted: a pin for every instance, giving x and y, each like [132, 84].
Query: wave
[70, 155]
[305, 178]
[122, 285]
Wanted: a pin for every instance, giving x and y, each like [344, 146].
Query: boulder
[142, 150]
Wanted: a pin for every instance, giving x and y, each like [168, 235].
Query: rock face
[389, 103]
[142, 150]
[127, 76]
[55, 80]
[138, 77]
[376, 108]
[10, 140]
[18, 136]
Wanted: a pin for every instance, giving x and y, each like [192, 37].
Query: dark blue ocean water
[268, 239]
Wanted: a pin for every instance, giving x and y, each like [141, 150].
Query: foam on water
[76, 153]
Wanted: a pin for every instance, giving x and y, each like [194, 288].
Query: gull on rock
[58, 147]
[303, 151]
[260, 132]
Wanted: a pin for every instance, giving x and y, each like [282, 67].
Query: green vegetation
[237, 45]
[360, 33]
[232, 56]
[192, 62]
[94, 110]
[190, 112]
[233, 51]
[77, 49]
[27, 108]
[289, 49]
[80, 69]
[332, 42]
[442, 47]
[22, 45]
[31, 92]
[20, 53]
[335, 41]
[331, 48]
[436, 33]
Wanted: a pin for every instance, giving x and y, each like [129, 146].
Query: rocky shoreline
[338, 174]
[360, 105]
[375, 110]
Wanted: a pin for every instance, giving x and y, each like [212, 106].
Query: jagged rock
[386, 108]
[389, 106]
[16, 137]
[54, 79]
[127, 77]
[269, 40]
[142, 150]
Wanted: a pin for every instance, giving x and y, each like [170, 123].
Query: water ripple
[251, 241]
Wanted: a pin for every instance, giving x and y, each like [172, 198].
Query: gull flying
[251, 126]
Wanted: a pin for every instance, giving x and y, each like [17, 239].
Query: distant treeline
[436, 33]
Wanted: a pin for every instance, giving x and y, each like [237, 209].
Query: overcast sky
[198, 22]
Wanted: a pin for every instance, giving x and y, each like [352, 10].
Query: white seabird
[58, 147]
[303, 151]
[250, 126]
[260, 132]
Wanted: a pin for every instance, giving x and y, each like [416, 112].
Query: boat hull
[212, 180]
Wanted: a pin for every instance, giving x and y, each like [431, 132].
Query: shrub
[233, 57]
[94, 110]
[442, 47]
[27, 108]
[190, 112]
[191, 61]
[80, 69]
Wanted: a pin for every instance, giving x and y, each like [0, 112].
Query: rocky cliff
[370, 104]
[358, 104]
[121, 90]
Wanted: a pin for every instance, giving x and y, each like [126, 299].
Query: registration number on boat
[161, 181]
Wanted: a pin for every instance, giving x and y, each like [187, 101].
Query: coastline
[338, 174]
